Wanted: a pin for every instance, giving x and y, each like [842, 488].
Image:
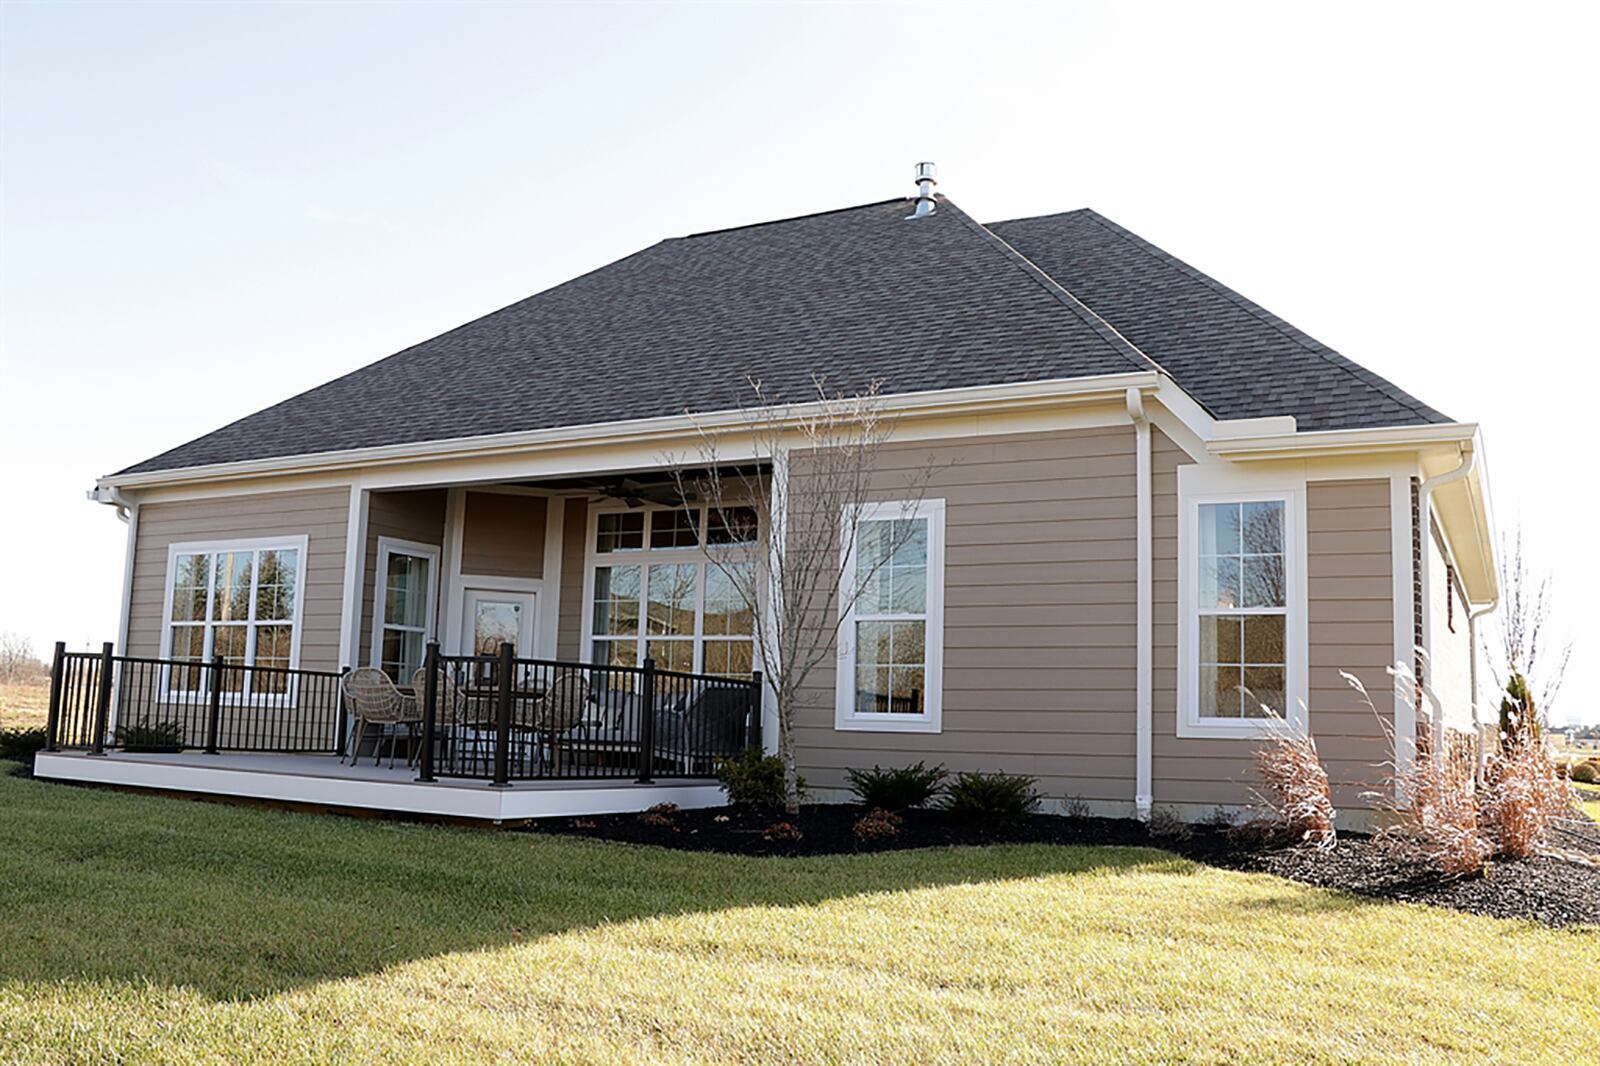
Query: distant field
[24, 703]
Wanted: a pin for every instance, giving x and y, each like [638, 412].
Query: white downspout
[1143, 794]
[1425, 516]
[1477, 719]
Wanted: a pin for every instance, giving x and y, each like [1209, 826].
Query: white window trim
[1191, 724]
[646, 557]
[251, 544]
[388, 546]
[931, 720]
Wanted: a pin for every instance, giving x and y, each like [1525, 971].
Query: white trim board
[931, 720]
[388, 546]
[298, 541]
[472, 800]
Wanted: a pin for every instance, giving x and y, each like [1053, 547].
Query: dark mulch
[1553, 891]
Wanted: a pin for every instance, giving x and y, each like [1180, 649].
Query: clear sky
[210, 207]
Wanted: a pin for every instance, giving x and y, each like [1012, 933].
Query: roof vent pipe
[926, 180]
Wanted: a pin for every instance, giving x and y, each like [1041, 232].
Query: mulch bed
[1553, 891]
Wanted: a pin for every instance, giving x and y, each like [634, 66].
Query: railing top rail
[714, 679]
[613, 668]
[143, 660]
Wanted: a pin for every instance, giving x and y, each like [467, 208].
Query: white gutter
[1143, 794]
[1425, 516]
[1105, 388]
[1342, 441]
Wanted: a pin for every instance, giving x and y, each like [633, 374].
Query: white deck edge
[449, 800]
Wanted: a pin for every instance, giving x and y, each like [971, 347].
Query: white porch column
[355, 561]
[777, 508]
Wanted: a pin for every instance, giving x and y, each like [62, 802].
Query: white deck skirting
[322, 780]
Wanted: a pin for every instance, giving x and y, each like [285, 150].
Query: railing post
[341, 715]
[52, 724]
[647, 723]
[102, 703]
[430, 709]
[502, 717]
[214, 706]
[753, 731]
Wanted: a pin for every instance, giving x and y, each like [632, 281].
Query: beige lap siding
[319, 514]
[503, 535]
[415, 516]
[1351, 626]
[1039, 616]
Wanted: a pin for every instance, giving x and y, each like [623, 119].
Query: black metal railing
[493, 717]
[103, 701]
[508, 719]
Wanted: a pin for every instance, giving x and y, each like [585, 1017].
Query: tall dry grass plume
[1294, 791]
[1524, 796]
[1432, 804]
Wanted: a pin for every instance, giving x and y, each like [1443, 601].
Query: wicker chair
[559, 710]
[373, 699]
[456, 717]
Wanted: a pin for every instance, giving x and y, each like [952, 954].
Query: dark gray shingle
[1238, 359]
[855, 295]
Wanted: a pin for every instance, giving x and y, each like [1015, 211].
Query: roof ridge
[1331, 356]
[1062, 294]
[790, 218]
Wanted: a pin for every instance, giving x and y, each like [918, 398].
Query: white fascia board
[659, 431]
[1341, 442]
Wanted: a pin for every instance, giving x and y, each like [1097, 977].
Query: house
[1159, 518]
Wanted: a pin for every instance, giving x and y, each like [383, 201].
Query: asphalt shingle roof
[856, 295]
[1233, 356]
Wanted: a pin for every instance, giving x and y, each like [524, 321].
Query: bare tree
[815, 469]
[17, 660]
[1530, 670]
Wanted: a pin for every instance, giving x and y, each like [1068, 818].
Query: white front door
[493, 616]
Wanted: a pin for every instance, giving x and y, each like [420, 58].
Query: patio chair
[373, 699]
[710, 726]
[559, 711]
[456, 716]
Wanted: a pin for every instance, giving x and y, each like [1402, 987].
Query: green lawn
[161, 930]
[1589, 796]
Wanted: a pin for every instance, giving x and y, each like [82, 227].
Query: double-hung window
[674, 584]
[406, 592]
[239, 600]
[891, 637]
[1242, 624]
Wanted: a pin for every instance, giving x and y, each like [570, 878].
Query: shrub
[754, 780]
[896, 790]
[782, 831]
[150, 736]
[1294, 790]
[1586, 772]
[1524, 797]
[20, 744]
[877, 824]
[662, 816]
[1000, 799]
[1075, 808]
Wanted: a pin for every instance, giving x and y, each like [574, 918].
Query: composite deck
[326, 781]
